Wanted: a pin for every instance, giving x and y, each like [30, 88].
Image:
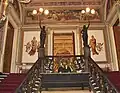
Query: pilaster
[50, 41]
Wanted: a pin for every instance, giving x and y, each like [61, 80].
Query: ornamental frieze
[62, 16]
[64, 3]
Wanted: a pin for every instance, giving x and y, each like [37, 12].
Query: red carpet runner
[114, 77]
[10, 83]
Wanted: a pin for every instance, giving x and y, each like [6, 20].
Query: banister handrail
[105, 80]
[93, 62]
[66, 56]
[22, 86]
[37, 66]
[76, 61]
[26, 83]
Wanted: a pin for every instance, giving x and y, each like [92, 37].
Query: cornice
[62, 26]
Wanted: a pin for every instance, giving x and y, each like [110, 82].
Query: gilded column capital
[48, 30]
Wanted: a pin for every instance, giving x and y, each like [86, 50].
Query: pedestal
[41, 52]
[86, 55]
[41, 55]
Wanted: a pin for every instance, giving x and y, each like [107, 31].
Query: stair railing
[32, 81]
[76, 63]
[98, 80]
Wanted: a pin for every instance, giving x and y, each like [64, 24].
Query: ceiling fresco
[62, 16]
[63, 10]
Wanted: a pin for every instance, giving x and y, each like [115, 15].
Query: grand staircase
[10, 82]
[34, 80]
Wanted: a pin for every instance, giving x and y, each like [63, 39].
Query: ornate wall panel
[63, 44]
[97, 45]
[30, 46]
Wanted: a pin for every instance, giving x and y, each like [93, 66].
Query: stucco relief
[97, 45]
[32, 46]
[31, 43]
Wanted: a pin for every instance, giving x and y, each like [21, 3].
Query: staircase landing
[67, 91]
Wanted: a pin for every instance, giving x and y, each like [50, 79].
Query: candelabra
[88, 10]
[41, 52]
[40, 12]
[88, 13]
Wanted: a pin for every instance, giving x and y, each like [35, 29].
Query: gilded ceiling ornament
[2, 21]
[25, 1]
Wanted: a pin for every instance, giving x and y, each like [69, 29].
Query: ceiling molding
[65, 3]
[62, 26]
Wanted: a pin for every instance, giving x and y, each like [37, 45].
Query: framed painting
[97, 45]
[31, 44]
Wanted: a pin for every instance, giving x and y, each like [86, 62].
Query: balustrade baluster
[98, 80]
